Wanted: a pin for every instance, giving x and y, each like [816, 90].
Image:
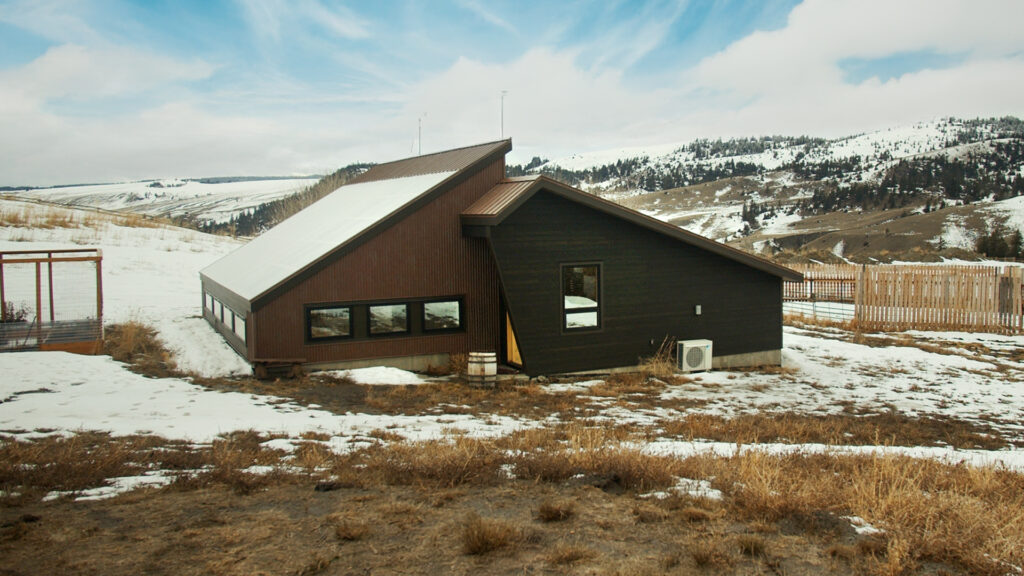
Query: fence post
[39, 304]
[3, 294]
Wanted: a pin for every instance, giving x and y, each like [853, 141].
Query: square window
[329, 322]
[389, 319]
[581, 296]
[443, 315]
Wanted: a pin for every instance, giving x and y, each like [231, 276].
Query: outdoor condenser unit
[693, 355]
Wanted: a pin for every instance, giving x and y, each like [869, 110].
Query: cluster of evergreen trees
[265, 216]
[999, 243]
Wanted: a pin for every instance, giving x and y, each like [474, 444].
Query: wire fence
[51, 300]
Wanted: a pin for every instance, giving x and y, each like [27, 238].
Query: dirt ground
[292, 528]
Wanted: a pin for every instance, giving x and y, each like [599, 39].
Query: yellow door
[511, 346]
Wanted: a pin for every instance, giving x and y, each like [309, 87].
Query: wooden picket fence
[918, 297]
[822, 283]
[972, 298]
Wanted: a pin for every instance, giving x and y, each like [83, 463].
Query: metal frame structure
[79, 335]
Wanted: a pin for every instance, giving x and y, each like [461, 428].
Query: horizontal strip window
[329, 323]
[442, 315]
[384, 319]
[389, 319]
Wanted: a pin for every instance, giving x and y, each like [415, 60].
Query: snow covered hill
[207, 200]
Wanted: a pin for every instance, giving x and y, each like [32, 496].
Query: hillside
[919, 192]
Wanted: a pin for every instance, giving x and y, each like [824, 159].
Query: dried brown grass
[889, 428]
[484, 535]
[550, 511]
[138, 345]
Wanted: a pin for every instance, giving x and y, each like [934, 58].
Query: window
[240, 327]
[389, 319]
[329, 322]
[208, 302]
[581, 294]
[219, 311]
[443, 315]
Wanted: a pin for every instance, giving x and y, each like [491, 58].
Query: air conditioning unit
[693, 355]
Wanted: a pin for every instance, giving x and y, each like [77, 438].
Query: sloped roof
[364, 206]
[506, 196]
[311, 234]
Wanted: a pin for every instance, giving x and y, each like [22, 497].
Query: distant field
[216, 202]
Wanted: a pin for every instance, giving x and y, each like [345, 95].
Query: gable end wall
[425, 255]
[650, 286]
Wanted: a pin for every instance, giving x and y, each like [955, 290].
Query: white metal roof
[280, 252]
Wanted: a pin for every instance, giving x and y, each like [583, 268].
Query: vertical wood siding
[423, 256]
[650, 285]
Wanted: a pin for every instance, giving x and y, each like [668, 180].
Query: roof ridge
[449, 150]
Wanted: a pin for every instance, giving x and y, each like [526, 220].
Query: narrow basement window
[325, 323]
[389, 319]
[581, 296]
[442, 315]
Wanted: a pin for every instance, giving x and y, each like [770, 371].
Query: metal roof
[499, 198]
[447, 161]
[352, 214]
[503, 199]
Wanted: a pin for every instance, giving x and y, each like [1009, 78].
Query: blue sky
[112, 90]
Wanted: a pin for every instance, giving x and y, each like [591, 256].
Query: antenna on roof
[503, 92]
[419, 133]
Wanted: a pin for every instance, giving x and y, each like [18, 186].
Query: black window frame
[462, 315]
[369, 319]
[309, 323]
[566, 329]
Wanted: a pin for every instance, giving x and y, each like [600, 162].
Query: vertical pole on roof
[503, 92]
[419, 136]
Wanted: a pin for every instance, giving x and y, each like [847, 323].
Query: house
[439, 254]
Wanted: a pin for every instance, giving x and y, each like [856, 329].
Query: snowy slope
[897, 142]
[209, 202]
[149, 274]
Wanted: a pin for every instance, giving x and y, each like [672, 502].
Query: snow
[1012, 209]
[379, 375]
[688, 487]
[150, 275]
[212, 202]
[118, 485]
[67, 393]
[340, 216]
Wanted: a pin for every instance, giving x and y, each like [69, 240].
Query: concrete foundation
[412, 363]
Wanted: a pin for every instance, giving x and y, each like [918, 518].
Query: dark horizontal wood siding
[423, 256]
[650, 284]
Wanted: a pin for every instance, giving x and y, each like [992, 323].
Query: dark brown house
[440, 254]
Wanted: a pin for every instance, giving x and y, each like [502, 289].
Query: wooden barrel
[482, 368]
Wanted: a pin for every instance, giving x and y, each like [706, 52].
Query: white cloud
[551, 103]
[806, 54]
[81, 73]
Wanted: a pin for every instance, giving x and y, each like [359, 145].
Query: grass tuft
[549, 511]
[483, 535]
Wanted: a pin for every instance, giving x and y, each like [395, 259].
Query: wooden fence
[823, 283]
[918, 297]
[979, 298]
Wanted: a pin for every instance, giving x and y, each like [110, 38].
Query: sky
[115, 90]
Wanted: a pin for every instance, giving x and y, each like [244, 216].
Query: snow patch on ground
[379, 375]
